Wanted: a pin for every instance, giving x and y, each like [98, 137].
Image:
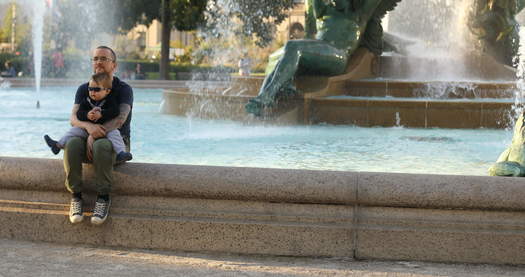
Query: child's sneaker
[75, 210]
[52, 144]
[124, 157]
[101, 211]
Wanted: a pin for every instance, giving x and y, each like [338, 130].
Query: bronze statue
[494, 24]
[512, 161]
[342, 27]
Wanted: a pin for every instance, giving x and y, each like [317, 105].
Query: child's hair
[102, 78]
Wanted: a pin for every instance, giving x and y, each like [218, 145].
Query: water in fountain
[227, 143]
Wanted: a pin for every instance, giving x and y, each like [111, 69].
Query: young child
[99, 107]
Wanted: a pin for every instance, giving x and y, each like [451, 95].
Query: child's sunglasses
[96, 89]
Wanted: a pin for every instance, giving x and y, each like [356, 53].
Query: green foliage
[22, 28]
[133, 12]
[187, 14]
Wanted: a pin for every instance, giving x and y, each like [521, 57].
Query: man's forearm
[117, 122]
[75, 122]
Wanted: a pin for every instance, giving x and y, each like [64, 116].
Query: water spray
[38, 8]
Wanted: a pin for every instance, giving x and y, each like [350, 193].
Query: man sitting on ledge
[97, 147]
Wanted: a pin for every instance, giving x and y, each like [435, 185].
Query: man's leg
[103, 160]
[74, 154]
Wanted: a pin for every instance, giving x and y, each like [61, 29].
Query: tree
[22, 27]
[185, 15]
[258, 18]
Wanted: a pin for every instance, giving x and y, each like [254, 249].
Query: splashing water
[220, 45]
[519, 93]
[398, 120]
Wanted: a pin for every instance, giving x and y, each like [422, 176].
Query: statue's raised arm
[494, 25]
[342, 26]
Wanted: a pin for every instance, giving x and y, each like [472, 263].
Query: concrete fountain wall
[361, 215]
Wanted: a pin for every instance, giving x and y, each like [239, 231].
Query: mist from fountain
[445, 50]
[443, 40]
[220, 45]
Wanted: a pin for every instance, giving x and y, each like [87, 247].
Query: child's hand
[94, 115]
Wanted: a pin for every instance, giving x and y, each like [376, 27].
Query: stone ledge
[361, 215]
[281, 185]
[208, 182]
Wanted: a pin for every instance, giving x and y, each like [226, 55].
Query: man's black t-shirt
[123, 94]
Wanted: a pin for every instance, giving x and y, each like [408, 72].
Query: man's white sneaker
[101, 211]
[75, 211]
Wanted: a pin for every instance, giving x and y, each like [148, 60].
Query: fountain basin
[357, 110]
[430, 89]
[418, 113]
[353, 98]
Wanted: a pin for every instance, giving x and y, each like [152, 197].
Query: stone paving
[21, 258]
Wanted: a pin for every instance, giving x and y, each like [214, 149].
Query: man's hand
[89, 146]
[95, 130]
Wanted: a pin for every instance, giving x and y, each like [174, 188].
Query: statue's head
[356, 4]
[346, 5]
[340, 5]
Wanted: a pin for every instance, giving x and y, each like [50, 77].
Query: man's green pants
[103, 160]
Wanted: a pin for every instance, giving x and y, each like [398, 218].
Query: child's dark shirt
[108, 105]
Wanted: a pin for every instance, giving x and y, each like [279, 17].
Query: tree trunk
[165, 41]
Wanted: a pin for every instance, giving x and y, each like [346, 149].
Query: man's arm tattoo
[120, 119]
